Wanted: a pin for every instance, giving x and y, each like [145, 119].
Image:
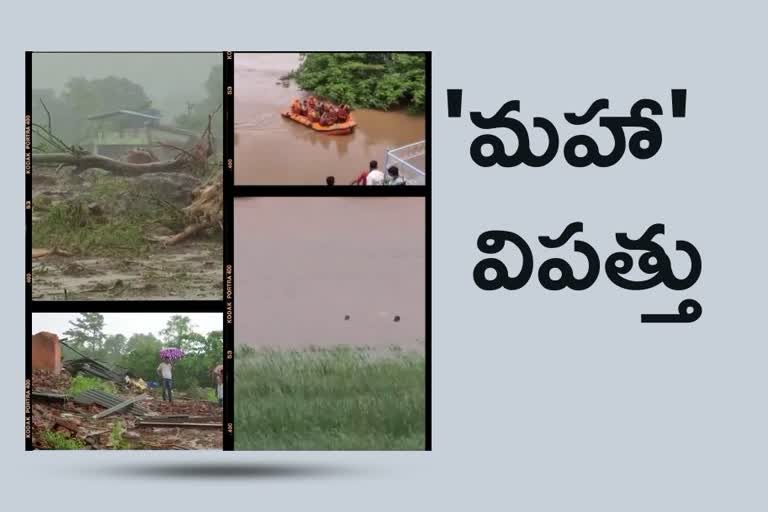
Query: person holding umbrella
[165, 370]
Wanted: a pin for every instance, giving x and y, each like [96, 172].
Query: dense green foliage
[139, 354]
[366, 80]
[342, 399]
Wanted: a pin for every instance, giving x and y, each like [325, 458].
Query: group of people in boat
[322, 112]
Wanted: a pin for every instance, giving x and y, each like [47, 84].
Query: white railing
[401, 156]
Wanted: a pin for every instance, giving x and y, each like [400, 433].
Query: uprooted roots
[205, 211]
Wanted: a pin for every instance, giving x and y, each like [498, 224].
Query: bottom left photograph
[127, 381]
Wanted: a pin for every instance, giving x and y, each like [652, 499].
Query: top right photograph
[331, 118]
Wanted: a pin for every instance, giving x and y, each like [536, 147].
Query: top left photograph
[126, 167]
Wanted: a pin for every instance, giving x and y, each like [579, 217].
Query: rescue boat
[344, 128]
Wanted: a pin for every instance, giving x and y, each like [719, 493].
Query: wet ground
[330, 271]
[191, 271]
[272, 150]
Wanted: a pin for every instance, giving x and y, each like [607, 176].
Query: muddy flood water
[272, 150]
[329, 271]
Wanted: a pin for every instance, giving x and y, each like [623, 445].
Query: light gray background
[542, 401]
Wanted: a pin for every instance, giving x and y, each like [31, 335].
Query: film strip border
[136, 306]
[424, 191]
[230, 191]
[229, 230]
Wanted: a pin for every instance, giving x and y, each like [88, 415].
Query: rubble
[156, 425]
[50, 380]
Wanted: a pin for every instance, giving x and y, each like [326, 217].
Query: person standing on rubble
[165, 371]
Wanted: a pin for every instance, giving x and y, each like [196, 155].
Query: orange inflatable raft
[344, 128]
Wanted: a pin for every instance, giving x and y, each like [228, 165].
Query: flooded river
[272, 150]
[330, 271]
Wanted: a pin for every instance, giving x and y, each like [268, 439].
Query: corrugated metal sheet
[106, 400]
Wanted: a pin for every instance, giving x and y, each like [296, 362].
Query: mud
[272, 150]
[330, 271]
[190, 271]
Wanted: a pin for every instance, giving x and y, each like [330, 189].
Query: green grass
[57, 441]
[81, 383]
[72, 226]
[341, 399]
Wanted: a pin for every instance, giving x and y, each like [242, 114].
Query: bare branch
[48, 113]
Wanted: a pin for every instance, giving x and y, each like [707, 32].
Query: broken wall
[46, 352]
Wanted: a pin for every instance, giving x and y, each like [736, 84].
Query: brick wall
[46, 352]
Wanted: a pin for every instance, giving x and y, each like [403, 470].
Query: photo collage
[228, 251]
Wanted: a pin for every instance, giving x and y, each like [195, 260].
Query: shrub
[81, 383]
[58, 441]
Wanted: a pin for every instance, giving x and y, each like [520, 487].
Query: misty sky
[127, 323]
[169, 79]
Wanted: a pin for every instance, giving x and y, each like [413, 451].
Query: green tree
[89, 97]
[366, 80]
[87, 334]
[114, 346]
[178, 333]
[141, 356]
[194, 370]
[85, 98]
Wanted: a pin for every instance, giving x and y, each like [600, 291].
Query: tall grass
[340, 399]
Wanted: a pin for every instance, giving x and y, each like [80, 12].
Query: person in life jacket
[343, 113]
[329, 116]
[296, 107]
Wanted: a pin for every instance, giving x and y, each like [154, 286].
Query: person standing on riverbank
[393, 176]
[373, 176]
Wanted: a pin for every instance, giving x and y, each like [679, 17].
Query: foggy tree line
[81, 98]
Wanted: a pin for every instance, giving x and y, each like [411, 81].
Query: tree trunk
[89, 161]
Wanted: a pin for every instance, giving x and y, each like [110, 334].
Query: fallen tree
[83, 161]
[205, 210]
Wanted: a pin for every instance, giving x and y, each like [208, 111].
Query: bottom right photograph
[330, 323]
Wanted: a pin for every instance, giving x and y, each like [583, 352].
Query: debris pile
[50, 380]
[95, 419]
[93, 368]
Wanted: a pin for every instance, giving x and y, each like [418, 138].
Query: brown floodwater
[302, 265]
[272, 150]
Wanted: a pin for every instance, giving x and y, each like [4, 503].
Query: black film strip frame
[424, 191]
[131, 306]
[226, 305]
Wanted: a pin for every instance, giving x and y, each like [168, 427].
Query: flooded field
[330, 271]
[272, 150]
